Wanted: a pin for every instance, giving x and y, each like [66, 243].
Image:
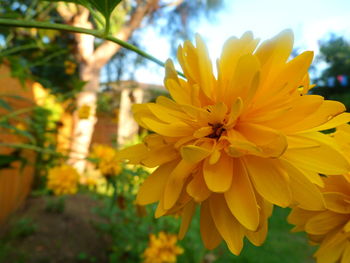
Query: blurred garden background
[65, 111]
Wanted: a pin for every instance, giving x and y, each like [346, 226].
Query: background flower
[107, 160]
[162, 249]
[63, 180]
[329, 227]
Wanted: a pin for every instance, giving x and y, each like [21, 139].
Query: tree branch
[107, 49]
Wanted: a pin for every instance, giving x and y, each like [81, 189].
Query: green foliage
[55, 205]
[22, 228]
[336, 53]
[104, 7]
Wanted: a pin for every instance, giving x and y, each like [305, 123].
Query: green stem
[30, 147]
[96, 33]
[107, 26]
[10, 51]
[16, 113]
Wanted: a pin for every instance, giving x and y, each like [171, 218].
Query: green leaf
[6, 160]
[5, 105]
[105, 7]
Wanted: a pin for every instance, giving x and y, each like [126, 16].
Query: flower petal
[152, 188]
[269, 179]
[176, 182]
[197, 187]
[324, 222]
[210, 235]
[241, 200]
[172, 130]
[218, 176]
[226, 223]
[194, 154]
[323, 159]
[186, 219]
[306, 194]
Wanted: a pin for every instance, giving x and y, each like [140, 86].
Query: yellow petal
[236, 110]
[175, 183]
[324, 222]
[178, 93]
[302, 107]
[172, 130]
[241, 200]
[194, 154]
[186, 218]
[346, 253]
[226, 223]
[331, 248]
[159, 156]
[197, 188]
[337, 202]
[241, 82]
[306, 194]
[272, 142]
[323, 159]
[300, 217]
[210, 235]
[269, 179]
[134, 154]
[218, 176]
[277, 48]
[258, 236]
[336, 121]
[205, 67]
[328, 110]
[164, 114]
[152, 188]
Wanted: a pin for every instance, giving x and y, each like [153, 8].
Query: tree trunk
[127, 126]
[84, 128]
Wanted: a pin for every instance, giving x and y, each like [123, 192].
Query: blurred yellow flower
[70, 67]
[238, 141]
[108, 161]
[63, 180]
[84, 112]
[91, 178]
[162, 249]
[329, 226]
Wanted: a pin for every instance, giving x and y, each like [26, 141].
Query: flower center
[218, 129]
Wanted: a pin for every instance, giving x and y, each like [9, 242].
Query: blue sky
[310, 21]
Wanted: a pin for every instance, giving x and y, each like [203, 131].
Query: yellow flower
[108, 160]
[84, 112]
[70, 67]
[91, 178]
[238, 141]
[329, 227]
[162, 249]
[63, 180]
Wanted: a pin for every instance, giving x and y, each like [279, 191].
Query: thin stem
[10, 51]
[96, 33]
[30, 147]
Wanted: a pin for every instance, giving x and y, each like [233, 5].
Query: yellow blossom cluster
[329, 226]
[162, 249]
[238, 141]
[70, 67]
[108, 161]
[63, 180]
[84, 112]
